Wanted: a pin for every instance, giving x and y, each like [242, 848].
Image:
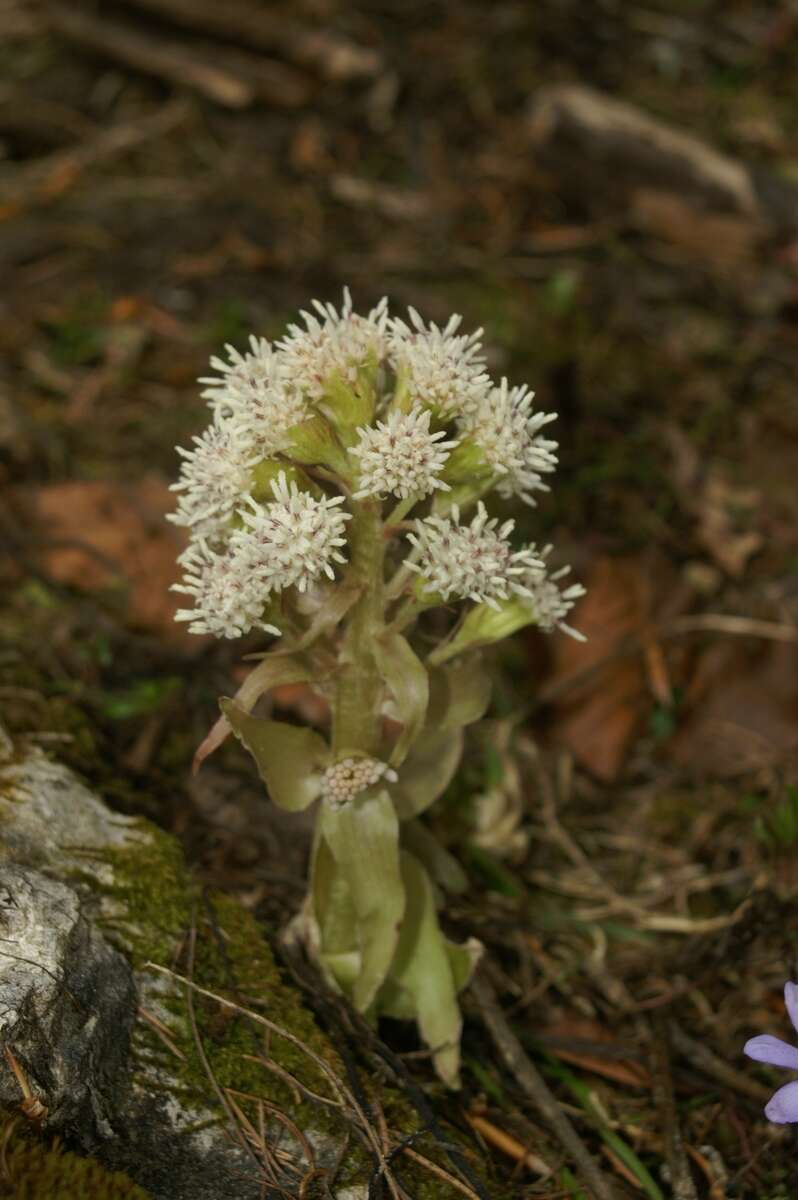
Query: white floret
[333, 345]
[256, 397]
[551, 603]
[214, 475]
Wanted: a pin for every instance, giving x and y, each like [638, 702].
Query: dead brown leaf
[740, 709]
[604, 694]
[96, 535]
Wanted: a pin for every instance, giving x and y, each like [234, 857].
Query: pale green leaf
[421, 982]
[442, 866]
[335, 603]
[289, 758]
[406, 676]
[363, 837]
[427, 771]
[271, 671]
[459, 692]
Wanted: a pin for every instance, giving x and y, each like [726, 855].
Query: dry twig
[227, 76]
[524, 1071]
[679, 1167]
[701, 1056]
[330, 54]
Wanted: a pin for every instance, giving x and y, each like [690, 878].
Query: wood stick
[229, 77]
[329, 54]
[529, 1078]
[678, 1165]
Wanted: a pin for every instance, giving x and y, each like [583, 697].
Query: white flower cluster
[440, 368]
[292, 541]
[348, 778]
[508, 434]
[473, 561]
[337, 344]
[286, 543]
[228, 601]
[401, 456]
[430, 395]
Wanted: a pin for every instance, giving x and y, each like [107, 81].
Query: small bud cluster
[348, 778]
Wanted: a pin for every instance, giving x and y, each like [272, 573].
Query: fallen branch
[232, 78]
[48, 177]
[621, 138]
[593, 136]
[328, 54]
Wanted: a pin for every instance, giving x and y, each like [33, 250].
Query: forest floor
[639, 903]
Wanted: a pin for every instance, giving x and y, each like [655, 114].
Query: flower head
[228, 600]
[782, 1108]
[399, 455]
[550, 602]
[333, 343]
[474, 561]
[507, 432]
[213, 478]
[292, 540]
[350, 776]
[256, 397]
[441, 369]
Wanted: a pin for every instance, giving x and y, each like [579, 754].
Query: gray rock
[68, 998]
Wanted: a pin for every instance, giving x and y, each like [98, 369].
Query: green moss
[38, 1169]
[154, 889]
[233, 959]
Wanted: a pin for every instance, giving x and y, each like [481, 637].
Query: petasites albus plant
[340, 493]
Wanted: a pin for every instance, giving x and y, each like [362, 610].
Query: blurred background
[611, 191]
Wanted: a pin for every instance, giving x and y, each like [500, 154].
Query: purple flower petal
[782, 1107]
[772, 1050]
[791, 1002]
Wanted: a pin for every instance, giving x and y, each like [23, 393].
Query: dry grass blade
[161, 1031]
[735, 626]
[348, 1101]
[508, 1144]
[439, 1173]
[206, 1066]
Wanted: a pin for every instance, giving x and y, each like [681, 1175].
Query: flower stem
[356, 708]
